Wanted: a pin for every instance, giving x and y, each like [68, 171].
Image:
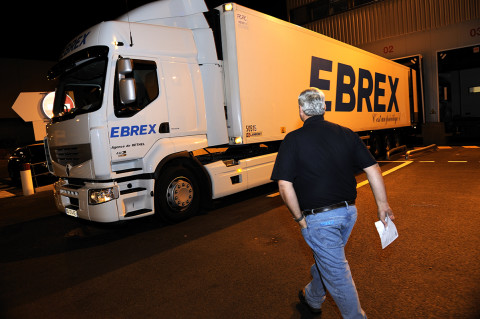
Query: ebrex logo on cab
[123, 131]
[76, 43]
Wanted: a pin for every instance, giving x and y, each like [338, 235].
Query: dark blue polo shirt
[321, 159]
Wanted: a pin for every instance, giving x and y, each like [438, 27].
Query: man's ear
[303, 116]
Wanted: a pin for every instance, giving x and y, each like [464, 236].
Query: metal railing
[420, 150]
[396, 150]
[408, 154]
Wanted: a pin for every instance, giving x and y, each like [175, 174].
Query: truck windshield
[80, 89]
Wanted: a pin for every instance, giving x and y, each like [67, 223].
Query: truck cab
[114, 121]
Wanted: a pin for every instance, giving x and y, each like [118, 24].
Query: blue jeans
[327, 233]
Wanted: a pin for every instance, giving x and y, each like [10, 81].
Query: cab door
[139, 120]
[185, 99]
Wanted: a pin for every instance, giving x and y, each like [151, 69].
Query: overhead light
[475, 89]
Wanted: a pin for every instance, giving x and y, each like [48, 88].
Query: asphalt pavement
[246, 258]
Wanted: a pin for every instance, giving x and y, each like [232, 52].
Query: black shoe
[301, 296]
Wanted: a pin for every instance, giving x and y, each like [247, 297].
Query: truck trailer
[173, 105]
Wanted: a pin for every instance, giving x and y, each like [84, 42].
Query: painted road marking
[5, 194]
[426, 161]
[5, 191]
[365, 182]
[390, 161]
[404, 163]
[450, 147]
[274, 194]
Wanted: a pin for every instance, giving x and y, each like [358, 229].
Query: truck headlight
[103, 195]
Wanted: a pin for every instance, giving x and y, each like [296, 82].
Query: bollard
[27, 182]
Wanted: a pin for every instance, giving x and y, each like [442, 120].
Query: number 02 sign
[388, 49]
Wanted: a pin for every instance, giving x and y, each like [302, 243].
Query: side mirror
[124, 66]
[127, 90]
[126, 83]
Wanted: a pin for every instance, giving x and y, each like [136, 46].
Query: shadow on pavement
[31, 227]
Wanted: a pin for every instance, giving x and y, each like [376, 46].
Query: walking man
[315, 170]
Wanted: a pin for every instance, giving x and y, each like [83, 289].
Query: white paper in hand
[387, 235]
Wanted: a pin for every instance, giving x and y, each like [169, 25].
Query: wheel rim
[180, 194]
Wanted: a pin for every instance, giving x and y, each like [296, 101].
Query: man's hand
[374, 175]
[303, 223]
[290, 198]
[383, 213]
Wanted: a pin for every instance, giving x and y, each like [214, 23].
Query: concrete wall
[428, 43]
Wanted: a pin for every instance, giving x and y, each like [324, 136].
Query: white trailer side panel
[268, 62]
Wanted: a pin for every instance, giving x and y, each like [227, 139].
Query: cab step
[138, 212]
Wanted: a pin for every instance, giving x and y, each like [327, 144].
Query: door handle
[164, 128]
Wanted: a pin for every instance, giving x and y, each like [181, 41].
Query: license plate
[71, 212]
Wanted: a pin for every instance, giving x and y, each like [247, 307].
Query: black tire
[398, 139]
[387, 142]
[375, 146]
[177, 194]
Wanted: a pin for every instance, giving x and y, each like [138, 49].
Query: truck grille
[72, 154]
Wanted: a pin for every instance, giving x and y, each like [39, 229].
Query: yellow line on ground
[471, 146]
[390, 161]
[365, 182]
[404, 163]
[457, 161]
[5, 194]
[426, 161]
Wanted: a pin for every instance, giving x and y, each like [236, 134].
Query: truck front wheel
[177, 194]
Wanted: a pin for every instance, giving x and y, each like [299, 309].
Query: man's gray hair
[312, 102]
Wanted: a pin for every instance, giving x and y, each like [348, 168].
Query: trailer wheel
[398, 139]
[177, 194]
[387, 142]
[375, 146]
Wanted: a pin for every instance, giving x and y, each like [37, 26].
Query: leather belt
[328, 208]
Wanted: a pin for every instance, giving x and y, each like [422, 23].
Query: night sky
[40, 30]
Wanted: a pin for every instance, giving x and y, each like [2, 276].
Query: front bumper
[74, 200]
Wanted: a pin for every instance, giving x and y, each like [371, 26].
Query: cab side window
[146, 88]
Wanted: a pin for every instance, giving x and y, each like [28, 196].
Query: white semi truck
[172, 105]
